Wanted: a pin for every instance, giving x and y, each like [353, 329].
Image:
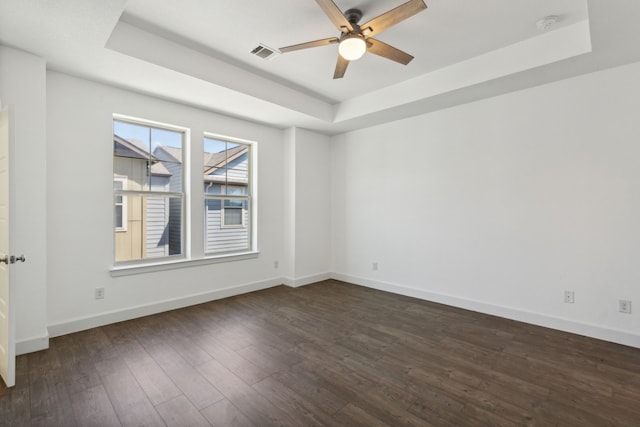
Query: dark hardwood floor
[327, 354]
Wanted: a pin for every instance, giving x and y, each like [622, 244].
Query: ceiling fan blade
[341, 68]
[307, 45]
[392, 17]
[335, 15]
[382, 49]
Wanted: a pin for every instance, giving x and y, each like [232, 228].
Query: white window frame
[168, 195]
[196, 255]
[250, 197]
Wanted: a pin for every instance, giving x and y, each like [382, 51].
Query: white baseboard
[586, 329]
[75, 325]
[306, 280]
[81, 324]
[32, 344]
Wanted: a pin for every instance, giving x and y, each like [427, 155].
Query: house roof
[135, 149]
[129, 148]
[162, 153]
[159, 169]
[214, 161]
[166, 153]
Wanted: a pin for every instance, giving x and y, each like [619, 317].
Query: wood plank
[92, 407]
[179, 412]
[50, 402]
[224, 413]
[127, 397]
[352, 415]
[200, 392]
[15, 404]
[232, 360]
[283, 397]
[151, 377]
[251, 403]
[313, 389]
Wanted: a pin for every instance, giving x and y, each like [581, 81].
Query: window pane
[237, 190]
[225, 163]
[119, 218]
[166, 168]
[213, 188]
[222, 236]
[232, 216]
[151, 158]
[231, 203]
[131, 140]
[153, 228]
[135, 171]
[214, 152]
[166, 176]
[215, 168]
[238, 167]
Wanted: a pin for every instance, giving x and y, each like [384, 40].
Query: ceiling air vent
[265, 52]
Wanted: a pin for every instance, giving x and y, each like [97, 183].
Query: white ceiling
[198, 52]
[449, 31]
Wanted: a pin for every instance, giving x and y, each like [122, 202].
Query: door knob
[12, 259]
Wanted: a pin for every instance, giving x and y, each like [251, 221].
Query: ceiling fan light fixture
[352, 47]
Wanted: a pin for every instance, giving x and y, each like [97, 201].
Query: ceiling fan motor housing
[353, 16]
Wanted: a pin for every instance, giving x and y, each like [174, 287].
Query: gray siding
[175, 210]
[237, 170]
[224, 239]
[157, 220]
[227, 239]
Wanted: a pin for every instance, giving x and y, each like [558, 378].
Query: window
[148, 190]
[234, 211]
[120, 203]
[153, 200]
[227, 189]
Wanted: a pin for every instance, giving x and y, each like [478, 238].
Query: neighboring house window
[234, 211]
[119, 183]
[148, 190]
[227, 188]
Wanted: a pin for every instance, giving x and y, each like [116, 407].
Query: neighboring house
[226, 173]
[148, 226]
[141, 223]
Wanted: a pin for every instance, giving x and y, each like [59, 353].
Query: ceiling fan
[356, 39]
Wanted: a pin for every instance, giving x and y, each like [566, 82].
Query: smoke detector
[547, 22]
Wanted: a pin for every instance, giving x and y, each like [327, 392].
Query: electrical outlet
[276, 264]
[374, 266]
[569, 297]
[99, 293]
[625, 306]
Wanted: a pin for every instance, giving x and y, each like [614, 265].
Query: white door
[7, 324]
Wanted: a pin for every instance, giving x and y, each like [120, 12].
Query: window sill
[128, 270]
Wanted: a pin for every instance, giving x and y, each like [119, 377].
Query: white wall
[308, 207]
[80, 217]
[22, 88]
[497, 206]
[501, 205]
